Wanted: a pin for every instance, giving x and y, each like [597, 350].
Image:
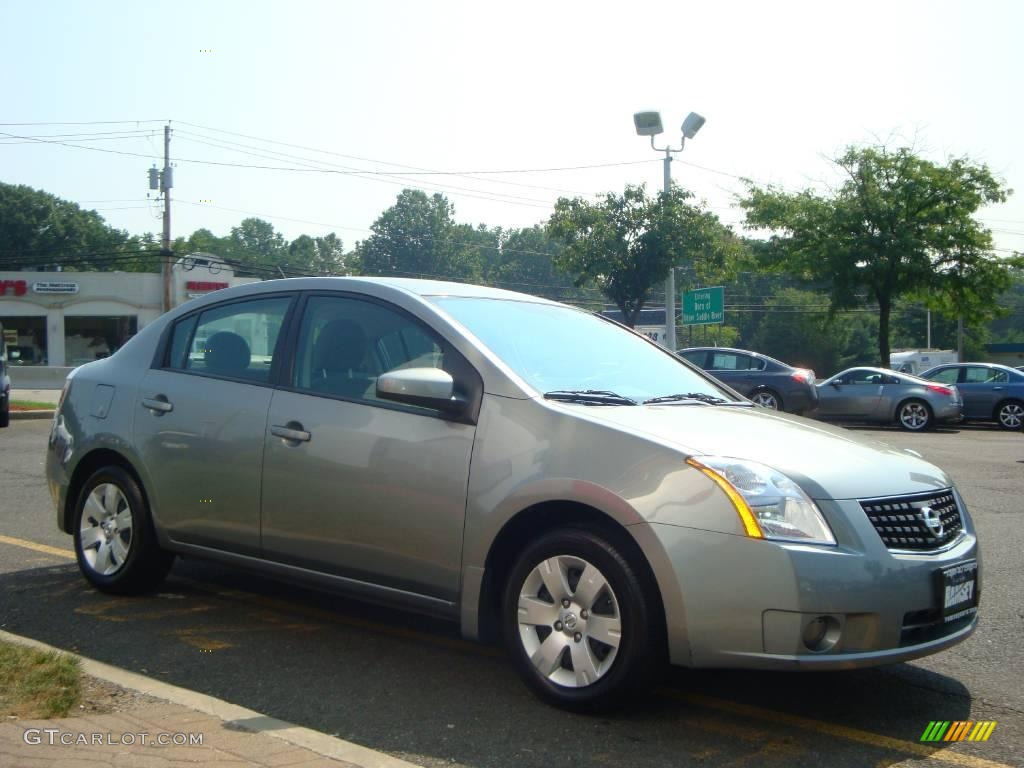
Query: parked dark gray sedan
[884, 396]
[991, 392]
[766, 381]
[521, 467]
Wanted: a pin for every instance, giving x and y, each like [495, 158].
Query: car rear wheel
[115, 542]
[767, 399]
[5, 412]
[578, 622]
[1010, 414]
[914, 415]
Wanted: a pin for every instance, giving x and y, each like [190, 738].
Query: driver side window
[345, 344]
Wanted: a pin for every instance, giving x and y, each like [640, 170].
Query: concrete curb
[239, 718]
[15, 415]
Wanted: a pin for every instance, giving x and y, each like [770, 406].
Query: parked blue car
[990, 392]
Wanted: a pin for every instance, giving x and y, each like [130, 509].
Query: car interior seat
[339, 360]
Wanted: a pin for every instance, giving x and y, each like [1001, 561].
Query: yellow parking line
[833, 730]
[37, 547]
[709, 702]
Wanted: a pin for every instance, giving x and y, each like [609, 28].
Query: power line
[93, 122]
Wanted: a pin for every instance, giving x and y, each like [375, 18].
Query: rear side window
[235, 340]
[730, 361]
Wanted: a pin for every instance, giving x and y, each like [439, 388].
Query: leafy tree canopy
[898, 225]
[625, 244]
[38, 229]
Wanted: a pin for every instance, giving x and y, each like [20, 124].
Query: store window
[93, 338]
[24, 340]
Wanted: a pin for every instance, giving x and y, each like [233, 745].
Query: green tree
[626, 244]
[329, 255]
[417, 237]
[897, 225]
[40, 230]
[255, 243]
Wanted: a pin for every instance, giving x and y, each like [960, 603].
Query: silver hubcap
[766, 399]
[106, 529]
[1011, 415]
[569, 621]
[913, 415]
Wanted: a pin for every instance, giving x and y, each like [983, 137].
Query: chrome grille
[901, 520]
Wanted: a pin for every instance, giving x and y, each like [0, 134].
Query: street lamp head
[692, 124]
[647, 123]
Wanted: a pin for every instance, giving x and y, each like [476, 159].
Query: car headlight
[770, 505]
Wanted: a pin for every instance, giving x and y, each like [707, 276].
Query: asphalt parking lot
[412, 687]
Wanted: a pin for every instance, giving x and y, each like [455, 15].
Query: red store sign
[199, 285]
[19, 287]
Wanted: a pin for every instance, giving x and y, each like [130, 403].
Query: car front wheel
[115, 542]
[578, 622]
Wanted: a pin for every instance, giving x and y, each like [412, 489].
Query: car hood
[827, 462]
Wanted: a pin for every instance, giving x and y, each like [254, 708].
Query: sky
[389, 87]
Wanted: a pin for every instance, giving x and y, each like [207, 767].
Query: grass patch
[37, 684]
[31, 405]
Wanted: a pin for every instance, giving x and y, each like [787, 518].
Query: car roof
[406, 284]
[733, 349]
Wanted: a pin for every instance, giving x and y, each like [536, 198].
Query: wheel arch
[538, 518]
[84, 469]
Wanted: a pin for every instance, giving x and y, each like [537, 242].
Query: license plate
[959, 589]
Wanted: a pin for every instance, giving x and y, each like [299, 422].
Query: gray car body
[879, 401]
[453, 503]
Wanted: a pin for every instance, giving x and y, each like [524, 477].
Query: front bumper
[746, 602]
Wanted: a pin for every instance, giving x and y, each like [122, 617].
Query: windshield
[560, 349]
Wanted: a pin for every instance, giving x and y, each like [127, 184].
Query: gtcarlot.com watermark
[54, 736]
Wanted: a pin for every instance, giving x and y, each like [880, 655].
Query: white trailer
[916, 361]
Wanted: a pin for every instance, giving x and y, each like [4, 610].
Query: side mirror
[425, 387]
[835, 384]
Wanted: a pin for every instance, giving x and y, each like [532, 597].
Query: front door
[354, 485]
[201, 422]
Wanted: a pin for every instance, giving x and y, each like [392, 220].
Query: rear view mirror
[425, 387]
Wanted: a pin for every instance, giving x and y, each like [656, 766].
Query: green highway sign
[704, 306]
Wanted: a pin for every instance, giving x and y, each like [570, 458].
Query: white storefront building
[54, 321]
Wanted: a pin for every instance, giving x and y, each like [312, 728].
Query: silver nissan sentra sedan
[530, 470]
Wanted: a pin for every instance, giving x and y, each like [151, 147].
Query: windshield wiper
[589, 397]
[700, 397]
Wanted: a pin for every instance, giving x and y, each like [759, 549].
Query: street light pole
[670, 281]
[649, 124]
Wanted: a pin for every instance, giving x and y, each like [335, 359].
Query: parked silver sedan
[521, 467]
[884, 396]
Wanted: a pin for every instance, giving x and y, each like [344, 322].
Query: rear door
[201, 420]
[739, 371]
[370, 490]
[981, 387]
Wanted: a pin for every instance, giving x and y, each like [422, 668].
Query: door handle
[292, 432]
[997, 389]
[158, 404]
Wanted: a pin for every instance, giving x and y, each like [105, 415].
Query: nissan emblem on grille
[921, 522]
[932, 520]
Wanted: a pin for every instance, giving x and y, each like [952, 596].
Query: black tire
[629, 669]
[145, 565]
[1010, 415]
[915, 415]
[767, 398]
[5, 413]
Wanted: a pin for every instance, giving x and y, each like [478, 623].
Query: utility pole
[670, 281]
[166, 182]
